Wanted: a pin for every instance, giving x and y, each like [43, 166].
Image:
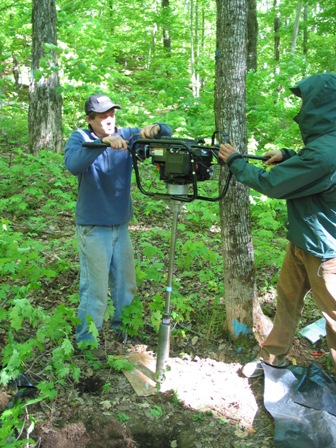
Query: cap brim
[101, 110]
[296, 90]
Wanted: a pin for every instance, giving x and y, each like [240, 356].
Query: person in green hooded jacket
[307, 181]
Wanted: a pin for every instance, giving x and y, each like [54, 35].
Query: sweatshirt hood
[318, 112]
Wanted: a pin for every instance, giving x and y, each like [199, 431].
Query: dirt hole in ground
[111, 434]
[147, 439]
[91, 385]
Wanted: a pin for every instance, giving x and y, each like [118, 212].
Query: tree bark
[230, 107]
[166, 31]
[252, 36]
[296, 27]
[277, 25]
[305, 29]
[192, 50]
[45, 101]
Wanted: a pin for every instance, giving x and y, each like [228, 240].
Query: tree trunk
[305, 29]
[277, 25]
[230, 104]
[252, 35]
[192, 49]
[166, 31]
[243, 311]
[45, 105]
[296, 27]
[3, 131]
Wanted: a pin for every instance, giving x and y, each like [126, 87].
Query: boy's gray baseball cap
[99, 103]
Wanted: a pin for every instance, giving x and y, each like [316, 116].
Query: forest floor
[203, 400]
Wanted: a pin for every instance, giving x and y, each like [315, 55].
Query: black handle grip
[248, 156]
[95, 144]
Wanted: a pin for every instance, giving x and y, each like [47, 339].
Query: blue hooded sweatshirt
[104, 177]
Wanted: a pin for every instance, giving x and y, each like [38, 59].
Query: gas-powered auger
[182, 164]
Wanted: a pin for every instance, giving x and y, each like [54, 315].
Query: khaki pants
[300, 273]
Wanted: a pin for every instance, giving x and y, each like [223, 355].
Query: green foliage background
[116, 47]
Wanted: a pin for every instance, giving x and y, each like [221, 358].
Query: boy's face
[103, 124]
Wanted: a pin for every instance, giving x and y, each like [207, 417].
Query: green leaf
[67, 347]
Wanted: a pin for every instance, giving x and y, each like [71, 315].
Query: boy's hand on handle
[115, 142]
[150, 131]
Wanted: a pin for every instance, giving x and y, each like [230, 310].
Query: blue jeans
[106, 259]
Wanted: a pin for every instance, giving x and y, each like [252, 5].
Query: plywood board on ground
[142, 377]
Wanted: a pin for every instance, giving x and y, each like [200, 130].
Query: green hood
[317, 116]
